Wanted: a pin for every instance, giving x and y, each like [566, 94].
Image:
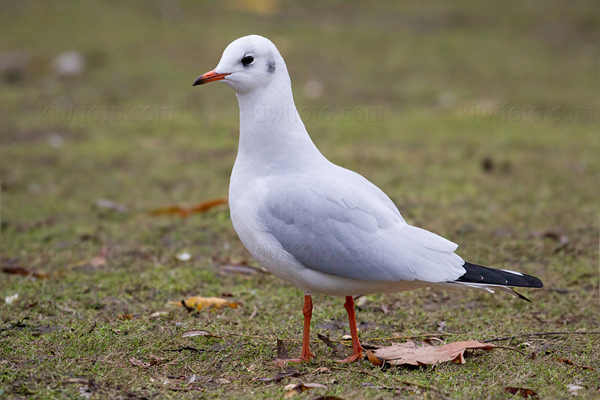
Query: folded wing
[349, 228]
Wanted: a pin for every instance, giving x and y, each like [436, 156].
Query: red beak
[210, 76]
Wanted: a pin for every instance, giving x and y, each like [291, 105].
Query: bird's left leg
[357, 349]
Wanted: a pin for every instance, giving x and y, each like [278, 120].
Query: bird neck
[272, 134]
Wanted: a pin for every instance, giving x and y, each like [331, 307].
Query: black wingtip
[485, 275]
[521, 296]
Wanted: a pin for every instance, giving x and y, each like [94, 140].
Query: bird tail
[503, 280]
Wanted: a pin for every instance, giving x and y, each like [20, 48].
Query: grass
[455, 87]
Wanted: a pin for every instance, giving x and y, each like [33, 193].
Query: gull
[319, 226]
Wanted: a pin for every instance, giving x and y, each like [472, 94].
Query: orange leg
[357, 349]
[306, 354]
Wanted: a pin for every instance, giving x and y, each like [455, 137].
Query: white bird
[322, 227]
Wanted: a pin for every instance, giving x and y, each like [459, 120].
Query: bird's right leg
[305, 355]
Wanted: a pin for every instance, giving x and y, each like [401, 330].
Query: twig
[510, 348]
[540, 334]
[90, 330]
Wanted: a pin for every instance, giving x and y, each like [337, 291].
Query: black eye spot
[247, 60]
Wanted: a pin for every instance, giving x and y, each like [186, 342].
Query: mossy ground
[484, 128]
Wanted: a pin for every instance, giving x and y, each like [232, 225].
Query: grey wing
[344, 228]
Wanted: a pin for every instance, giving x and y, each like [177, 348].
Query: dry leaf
[111, 205]
[18, 270]
[433, 341]
[294, 389]
[574, 389]
[200, 303]
[158, 314]
[282, 353]
[100, 259]
[197, 333]
[522, 392]
[184, 212]
[338, 349]
[574, 364]
[409, 353]
[126, 317]
[373, 358]
[154, 360]
[11, 299]
[183, 256]
[139, 363]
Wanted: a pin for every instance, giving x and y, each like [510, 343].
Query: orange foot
[354, 357]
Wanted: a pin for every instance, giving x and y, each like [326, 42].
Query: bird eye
[247, 60]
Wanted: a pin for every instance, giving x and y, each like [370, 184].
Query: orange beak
[210, 76]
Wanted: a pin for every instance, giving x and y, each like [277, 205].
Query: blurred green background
[479, 119]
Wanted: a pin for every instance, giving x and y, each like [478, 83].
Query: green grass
[443, 79]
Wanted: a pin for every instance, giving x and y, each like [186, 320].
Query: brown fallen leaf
[185, 212]
[139, 363]
[409, 353]
[337, 349]
[522, 392]
[433, 341]
[282, 353]
[294, 389]
[154, 360]
[200, 303]
[100, 259]
[197, 333]
[127, 317]
[373, 358]
[566, 361]
[18, 270]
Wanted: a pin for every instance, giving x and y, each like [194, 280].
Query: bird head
[248, 63]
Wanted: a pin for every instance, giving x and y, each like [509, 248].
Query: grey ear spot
[271, 66]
